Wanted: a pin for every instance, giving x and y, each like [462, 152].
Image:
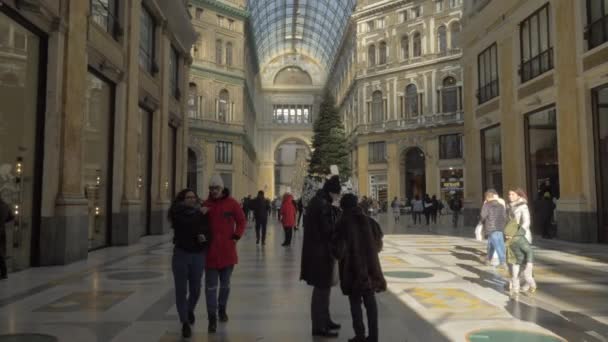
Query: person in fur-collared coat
[356, 244]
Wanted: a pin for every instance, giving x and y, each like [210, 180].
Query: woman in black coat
[191, 236]
[356, 244]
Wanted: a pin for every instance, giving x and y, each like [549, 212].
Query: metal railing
[421, 121]
[488, 92]
[536, 65]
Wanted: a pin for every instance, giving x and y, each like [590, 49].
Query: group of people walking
[508, 233]
[205, 237]
[341, 244]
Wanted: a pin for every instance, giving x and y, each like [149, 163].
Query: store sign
[451, 185]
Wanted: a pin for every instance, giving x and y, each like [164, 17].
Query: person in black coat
[318, 264]
[190, 237]
[261, 210]
[356, 245]
[544, 214]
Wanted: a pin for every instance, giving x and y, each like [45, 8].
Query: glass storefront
[415, 174]
[543, 169]
[601, 115]
[144, 167]
[491, 159]
[96, 146]
[378, 186]
[451, 183]
[19, 82]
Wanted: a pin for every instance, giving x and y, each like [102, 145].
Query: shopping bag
[478, 232]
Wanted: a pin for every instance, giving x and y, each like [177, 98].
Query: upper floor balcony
[408, 124]
[214, 125]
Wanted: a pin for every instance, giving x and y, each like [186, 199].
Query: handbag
[478, 232]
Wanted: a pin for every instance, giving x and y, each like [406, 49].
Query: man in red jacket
[227, 224]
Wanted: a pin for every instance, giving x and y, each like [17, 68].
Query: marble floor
[439, 290]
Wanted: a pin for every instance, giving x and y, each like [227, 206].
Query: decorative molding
[202, 71]
[223, 8]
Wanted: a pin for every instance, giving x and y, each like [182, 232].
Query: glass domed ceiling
[309, 27]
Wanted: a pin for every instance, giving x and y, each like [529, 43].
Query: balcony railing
[488, 92]
[537, 65]
[422, 121]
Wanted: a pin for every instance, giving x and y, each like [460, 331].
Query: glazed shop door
[601, 121]
[21, 131]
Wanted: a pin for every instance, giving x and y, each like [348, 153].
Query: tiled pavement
[438, 291]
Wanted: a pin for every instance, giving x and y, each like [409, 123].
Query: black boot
[186, 331]
[191, 317]
[222, 314]
[212, 324]
[333, 326]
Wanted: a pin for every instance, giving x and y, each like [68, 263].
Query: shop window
[491, 159]
[377, 152]
[377, 107]
[147, 39]
[411, 95]
[371, 55]
[450, 96]
[383, 53]
[536, 48]
[543, 166]
[105, 14]
[405, 47]
[596, 31]
[223, 152]
[442, 39]
[450, 146]
[223, 106]
[229, 54]
[455, 29]
[487, 73]
[417, 45]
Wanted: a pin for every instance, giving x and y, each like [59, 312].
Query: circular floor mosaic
[27, 338]
[499, 335]
[408, 274]
[134, 276]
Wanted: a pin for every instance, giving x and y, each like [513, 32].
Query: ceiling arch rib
[309, 27]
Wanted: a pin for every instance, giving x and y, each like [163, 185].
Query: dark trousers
[288, 235]
[434, 216]
[417, 217]
[260, 227]
[299, 218]
[319, 308]
[3, 269]
[369, 301]
[187, 273]
[427, 216]
[213, 278]
[455, 214]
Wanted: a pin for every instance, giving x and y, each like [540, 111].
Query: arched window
[405, 47]
[377, 107]
[371, 55]
[411, 95]
[218, 51]
[442, 39]
[455, 32]
[449, 95]
[417, 45]
[383, 53]
[229, 54]
[223, 106]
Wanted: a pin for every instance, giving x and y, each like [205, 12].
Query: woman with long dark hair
[191, 235]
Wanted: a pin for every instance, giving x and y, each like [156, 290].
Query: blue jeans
[215, 276]
[187, 272]
[496, 242]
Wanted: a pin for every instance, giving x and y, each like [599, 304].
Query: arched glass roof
[309, 27]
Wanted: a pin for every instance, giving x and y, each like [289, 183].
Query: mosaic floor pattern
[439, 290]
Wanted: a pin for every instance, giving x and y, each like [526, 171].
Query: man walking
[261, 209]
[317, 261]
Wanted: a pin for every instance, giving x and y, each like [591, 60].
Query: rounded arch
[304, 140]
[455, 29]
[413, 162]
[223, 107]
[292, 75]
[290, 156]
[442, 39]
[405, 46]
[417, 44]
[411, 100]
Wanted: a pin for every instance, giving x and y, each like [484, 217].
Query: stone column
[394, 180]
[266, 178]
[472, 150]
[363, 151]
[576, 222]
[129, 224]
[66, 239]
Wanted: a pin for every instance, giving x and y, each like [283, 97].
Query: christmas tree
[329, 141]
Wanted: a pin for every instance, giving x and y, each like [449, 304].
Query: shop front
[22, 70]
[600, 104]
[451, 183]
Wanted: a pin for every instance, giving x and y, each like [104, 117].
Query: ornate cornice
[375, 9]
[199, 70]
[223, 8]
